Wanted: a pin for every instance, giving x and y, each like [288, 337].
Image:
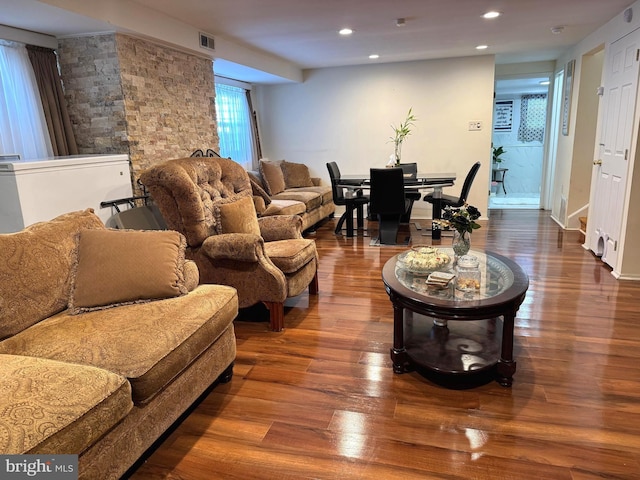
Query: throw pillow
[258, 191]
[119, 267]
[272, 176]
[296, 175]
[238, 217]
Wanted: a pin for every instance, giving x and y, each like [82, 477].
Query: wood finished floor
[320, 399]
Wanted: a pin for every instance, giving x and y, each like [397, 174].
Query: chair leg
[314, 285]
[388, 229]
[338, 229]
[276, 315]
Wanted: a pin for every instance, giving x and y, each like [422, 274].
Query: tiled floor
[518, 200]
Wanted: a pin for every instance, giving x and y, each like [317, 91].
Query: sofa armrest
[280, 227]
[243, 247]
[317, 181]
[191, 275]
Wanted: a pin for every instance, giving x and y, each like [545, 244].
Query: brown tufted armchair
[206, 199]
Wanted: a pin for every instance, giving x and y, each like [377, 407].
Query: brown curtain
[254, 128]
[45, 67]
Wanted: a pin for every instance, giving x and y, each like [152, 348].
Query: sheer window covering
[234, 125]
[23, 128]
[533, 117]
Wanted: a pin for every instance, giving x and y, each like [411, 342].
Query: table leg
[349, 220]
[398, 352]
[436, 214]
[506, 365]
[360, 216]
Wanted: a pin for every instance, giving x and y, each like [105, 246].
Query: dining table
[421, 181]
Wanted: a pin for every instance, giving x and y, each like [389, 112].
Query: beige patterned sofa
[106, 338]
[287, 188]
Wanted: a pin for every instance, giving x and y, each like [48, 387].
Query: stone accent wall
[169, 101]
[128, 95]
[91, 76]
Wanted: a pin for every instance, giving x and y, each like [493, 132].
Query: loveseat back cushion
[35, 269]
[272, 176]
[148, 343]
[296, 175]
[116, 267]
[187, 189]
[48, 406]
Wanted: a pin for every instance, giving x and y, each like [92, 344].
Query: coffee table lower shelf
[456, 349]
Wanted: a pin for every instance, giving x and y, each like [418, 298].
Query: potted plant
[400, 132]
[497, 152]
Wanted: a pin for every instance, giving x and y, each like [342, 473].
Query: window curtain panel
[45, 68]
[23, 128]
[234, 125]
[533, 117]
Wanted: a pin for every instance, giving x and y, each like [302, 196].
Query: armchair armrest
[243, 247]
[280, 227]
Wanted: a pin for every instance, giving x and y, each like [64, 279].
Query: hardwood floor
[320, 399]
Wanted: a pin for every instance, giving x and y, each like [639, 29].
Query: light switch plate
[475, 126]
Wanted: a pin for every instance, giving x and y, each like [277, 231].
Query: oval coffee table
[451, 332]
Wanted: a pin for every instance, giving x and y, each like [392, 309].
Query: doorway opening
[520, 119]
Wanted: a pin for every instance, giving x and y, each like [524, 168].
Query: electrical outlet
[475, 126]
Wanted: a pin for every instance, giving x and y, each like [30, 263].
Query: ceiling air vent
[207, 41]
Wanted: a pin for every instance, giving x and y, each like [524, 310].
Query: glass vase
[461, 243]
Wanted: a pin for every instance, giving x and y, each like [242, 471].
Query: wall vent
[207, 41]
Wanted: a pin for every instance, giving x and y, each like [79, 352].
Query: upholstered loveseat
[106, 338]
[287, 188]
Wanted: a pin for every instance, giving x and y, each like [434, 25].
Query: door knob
[598, 162]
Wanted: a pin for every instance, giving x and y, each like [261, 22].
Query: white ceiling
[304, 32]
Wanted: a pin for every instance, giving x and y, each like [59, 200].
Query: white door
[610, 169]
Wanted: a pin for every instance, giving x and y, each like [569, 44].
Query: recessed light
[345, 31]
[374, 56]
[491, 14]
[482, 47]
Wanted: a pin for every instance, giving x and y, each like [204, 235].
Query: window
[235, 127]
[533, 117]
[23, 128]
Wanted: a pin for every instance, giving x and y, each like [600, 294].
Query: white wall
[344, 114]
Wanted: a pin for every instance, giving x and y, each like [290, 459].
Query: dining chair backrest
[334, 174]
[409, 170]
[466, 186]
[387, 191]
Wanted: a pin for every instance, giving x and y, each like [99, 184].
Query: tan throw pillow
[272, 176]
[119, 267]
[296, 175]
[238, 217]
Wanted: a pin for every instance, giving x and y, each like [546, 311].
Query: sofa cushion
[238, 217]
[285, 207]
[290, 255]
[55, 407]
[311, 200]
[115, 267]
[175, 332]
[296, 175]
[35, 269]
[272, 176]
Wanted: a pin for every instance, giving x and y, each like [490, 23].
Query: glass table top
[496, 278]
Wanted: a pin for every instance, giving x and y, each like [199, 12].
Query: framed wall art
[567, 88]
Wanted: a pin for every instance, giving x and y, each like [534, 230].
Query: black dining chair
[450, 200]
[356, 201]
[388, 202]
[410, 172]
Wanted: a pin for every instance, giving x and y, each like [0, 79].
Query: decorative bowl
[424, 259]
